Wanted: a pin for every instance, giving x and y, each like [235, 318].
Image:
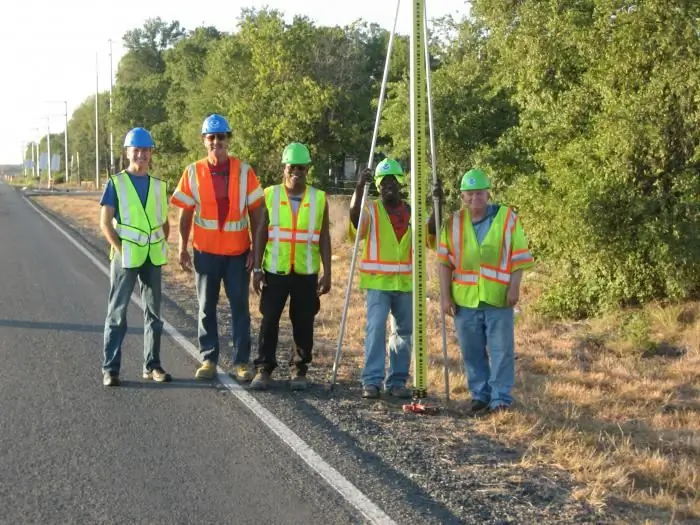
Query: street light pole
[48, 148]
[97, 122]
[111, 134]
[24, 158]
[65, 140]
[65, 133]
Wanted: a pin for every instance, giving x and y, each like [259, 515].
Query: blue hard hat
[215, 124]
[138, 138]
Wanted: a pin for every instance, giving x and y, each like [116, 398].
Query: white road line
[335, 479]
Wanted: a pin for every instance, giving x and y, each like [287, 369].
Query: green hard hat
[388, 167]
[296, 153]
[475, 179]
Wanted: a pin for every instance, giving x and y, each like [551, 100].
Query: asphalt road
[72, 451]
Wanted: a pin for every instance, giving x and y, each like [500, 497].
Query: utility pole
[111, 134]
[65, 133]
[97, 122]
[48, 150]
[24, 158]
[34, 160]
[65, 140]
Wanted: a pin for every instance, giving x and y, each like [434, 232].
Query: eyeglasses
[220, 136]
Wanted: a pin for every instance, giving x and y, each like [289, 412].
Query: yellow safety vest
[141, 227]
[293, 239]
[386, 260]
[482, 272]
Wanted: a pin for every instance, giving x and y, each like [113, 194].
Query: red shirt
[399, 217]
[220, 178]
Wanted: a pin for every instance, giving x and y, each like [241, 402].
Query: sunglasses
[220, 136]
[297, 167]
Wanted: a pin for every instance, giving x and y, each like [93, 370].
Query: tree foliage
[584, 112]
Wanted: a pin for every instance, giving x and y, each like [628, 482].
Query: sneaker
[299, 382]
[370, 392]
[206, 371]
[399, 392]
[242, 373]
[110, 379]
[261, 381]
[158, 375]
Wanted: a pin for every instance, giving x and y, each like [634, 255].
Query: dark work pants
[304, 304]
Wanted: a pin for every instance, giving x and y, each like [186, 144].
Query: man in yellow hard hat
[483, 252]
[386, 274]
[290, 244]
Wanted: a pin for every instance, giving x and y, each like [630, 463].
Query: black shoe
[477, 406]
[499, 409]
[370, 392]
[110, 379]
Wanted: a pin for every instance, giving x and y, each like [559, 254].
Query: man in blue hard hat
[221, 202]
[134, 219]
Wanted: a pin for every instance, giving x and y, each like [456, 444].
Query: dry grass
[614, 401]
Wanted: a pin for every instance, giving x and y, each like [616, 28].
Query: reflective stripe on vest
[140, 226]
[213, 224]
[307, 240]
[501, 274]
[373, 261]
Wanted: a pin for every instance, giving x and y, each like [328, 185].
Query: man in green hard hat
[290, 244]
[483, 252]
[386, 274]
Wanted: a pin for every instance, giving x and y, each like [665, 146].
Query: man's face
[475, 199]
[216, 143]
[139, 156]
[389, 189]
[295, 173]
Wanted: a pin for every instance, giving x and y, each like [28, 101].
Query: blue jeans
[122, 282]
[490, 374]
[379, 304]
[210, 270]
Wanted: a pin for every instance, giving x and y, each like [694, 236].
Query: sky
[49, 51]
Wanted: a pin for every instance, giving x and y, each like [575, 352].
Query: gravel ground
[419, 469]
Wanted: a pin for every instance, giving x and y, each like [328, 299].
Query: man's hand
[448, 306]
[258, 282]
[438, 192]
[324, 285]
[185, 261]
[513, 295]
[366, 177]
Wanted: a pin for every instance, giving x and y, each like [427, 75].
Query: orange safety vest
[234, 237]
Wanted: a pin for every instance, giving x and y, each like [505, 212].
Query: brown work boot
[261, 381]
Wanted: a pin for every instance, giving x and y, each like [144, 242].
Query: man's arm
[356, 200]
[324, 285]
[106, 217]
[166, 229]
[256, 218]
[325, 243]
[260, 236]
[439, 195]
[184, 227]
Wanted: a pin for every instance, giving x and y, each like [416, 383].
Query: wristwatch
[257, 270]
